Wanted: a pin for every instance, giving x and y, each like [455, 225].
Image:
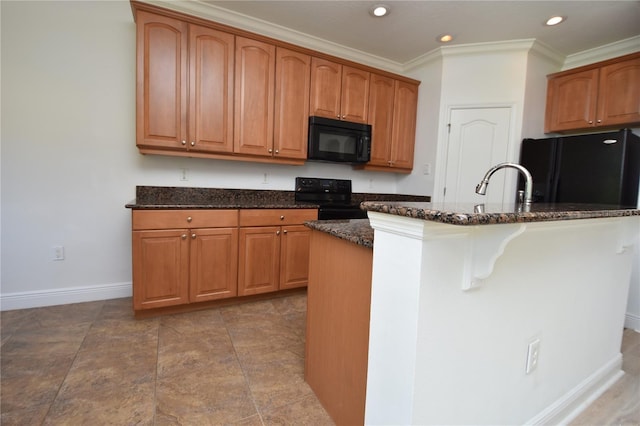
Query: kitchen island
[478, 314]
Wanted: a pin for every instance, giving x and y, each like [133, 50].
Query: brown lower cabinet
[189, 256]
[183, 256]
[274, 249]
[337, 338]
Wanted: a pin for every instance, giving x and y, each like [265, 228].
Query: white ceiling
[410, 30]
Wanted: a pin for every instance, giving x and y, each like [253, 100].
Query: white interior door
[478, 140]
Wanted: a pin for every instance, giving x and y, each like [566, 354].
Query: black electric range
[332, 195]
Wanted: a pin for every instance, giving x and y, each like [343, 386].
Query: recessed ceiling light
[379, 10]
[444, 38]
[554, 20]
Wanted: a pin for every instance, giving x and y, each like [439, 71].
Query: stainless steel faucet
[528, 186]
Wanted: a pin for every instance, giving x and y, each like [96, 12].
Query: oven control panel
[323, 186]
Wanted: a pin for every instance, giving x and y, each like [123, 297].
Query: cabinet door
[571, 101]
[619, 93]
[326, 81]
[355, 95]
[254, 93]
[294, 256]
[259, 260]
[160, 268]
[381, 118]
[291, 124]
[211, 59]
[161, 94]
[213, 264]
[404, 125]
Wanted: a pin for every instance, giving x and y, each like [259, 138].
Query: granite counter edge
[459, 218]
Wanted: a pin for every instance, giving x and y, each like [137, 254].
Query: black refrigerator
[601, 168]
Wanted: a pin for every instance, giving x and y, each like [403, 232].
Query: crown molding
[422, 60]
[237, 20]
[545, 51]
[218, 14]
[602, 53]
[523, 45]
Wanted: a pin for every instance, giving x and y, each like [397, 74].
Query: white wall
[421, 180]
[68, 157]
[540, 63]
[69, 162]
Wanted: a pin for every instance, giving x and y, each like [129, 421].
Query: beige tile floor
[93, 363]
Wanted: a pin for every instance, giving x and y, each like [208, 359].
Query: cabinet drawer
[270, 217]
[168, 219]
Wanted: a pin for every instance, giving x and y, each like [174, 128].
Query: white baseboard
[574, 402]
[632, 321]
[63, 296]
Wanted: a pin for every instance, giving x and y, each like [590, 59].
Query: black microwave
[338, 141]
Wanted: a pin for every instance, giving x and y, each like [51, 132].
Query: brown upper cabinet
[184, 85]
[205, 89]
[339, 91]
[272, 100]
[605, 94]
[392, 115]
[291, 122]
[254, 94]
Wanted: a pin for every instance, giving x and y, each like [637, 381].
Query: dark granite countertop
[480, 214]
[164, 197]
[357, 231]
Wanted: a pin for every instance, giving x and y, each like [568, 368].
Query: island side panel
[338, 301]
[562, 282]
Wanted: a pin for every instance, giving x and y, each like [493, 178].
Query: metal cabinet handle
[184, 236]
[184, 142]
[277, 151]
[193, 236]
[277, 232]
[270, 150]
[590, 121]
[284, 232]
[193, 143]
[189, 219]
[599, 121]
[282, 217]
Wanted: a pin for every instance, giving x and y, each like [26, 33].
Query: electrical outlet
[184, 175]
[426, 169]
[533, 353]
[57, 253]
[265, 178]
